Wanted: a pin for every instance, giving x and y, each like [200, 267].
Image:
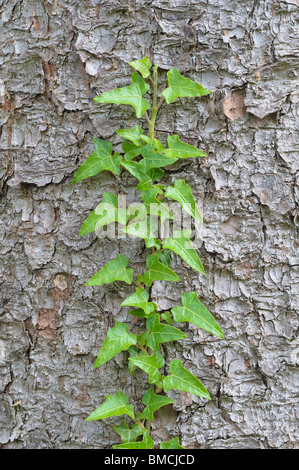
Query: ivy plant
[144, 157]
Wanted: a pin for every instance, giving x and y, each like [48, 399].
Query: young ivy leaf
[160, 333]
[150, 365]
[146, 443]
[166, 317]
[182, 246]
[172, 444]
[180, 87]
[155, 173]
[164, 257]
[154, 206]
[143, 66]
[114, 270]
[181, 379]
[181, 192]
[140, 299]
[118, 339]
[132, 167]
[157, 272]
[115, 405]
[131, 150]
[195, 312]
[153, 160]
[179, 149]
[101, 159]
[153, 403]
[131, 134]
[128, 434]
[131, 95]
[146, 229]
[105, 213]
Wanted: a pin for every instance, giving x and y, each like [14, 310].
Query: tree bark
[55, 57]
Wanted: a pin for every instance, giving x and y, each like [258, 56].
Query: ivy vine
[144, 156]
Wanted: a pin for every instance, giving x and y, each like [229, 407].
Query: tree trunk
[55, 57]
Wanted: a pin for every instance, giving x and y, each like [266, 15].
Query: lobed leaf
[140, 299]
[157, 271]
[146, 443]
[172, 444]
[160, 333]
[178, 149]
[145, 229]
[166, 317]
[181, 192]
[131, 150]
[145, 181]
[143, 66]
[131, 95]
[180, 87]
[101, 159]
[115, 405]
[195, 312]
[131, 134]
[105, 213]
[114, 270]
[181, 379]
[153, 403]
[182, 246]
[154, 206]
[150, 365]
[118, 339]
[128, 434]
[153, 160]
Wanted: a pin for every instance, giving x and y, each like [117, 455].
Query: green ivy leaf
[153, 160]
[155, 173]
[154, 206]
[179, 149]
[132, 134]
[131, 150]
[101, 159]
[140, 299]
[131, 95]
[144, 180]
[195, 312]
[161, 333]
[153, 403]
[143, 66]
[181, 379]
[146, 443]
[181, 192]
[128, 434]
[138, 312]
[115, 405]
[182, 246]
[114, 270]
[150, 365]
[167, 317]
[118, 339]
[105, 213]
[146, 228]
[164, 257]
[157, 271]
[181, 87]
[152, 242]
[133, 352]
[172, 444]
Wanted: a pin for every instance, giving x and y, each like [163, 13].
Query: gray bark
[55, 57]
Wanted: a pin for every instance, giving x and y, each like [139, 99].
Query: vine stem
[151, 130]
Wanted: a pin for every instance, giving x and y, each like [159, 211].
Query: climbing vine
[144, 156]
